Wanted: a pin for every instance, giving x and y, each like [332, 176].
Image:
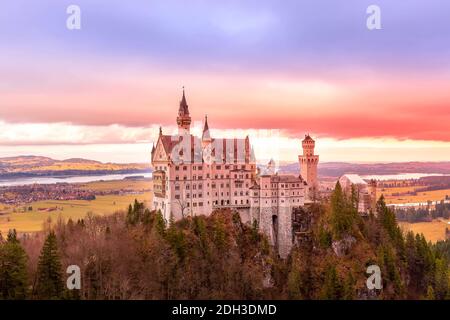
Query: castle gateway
[196, 175]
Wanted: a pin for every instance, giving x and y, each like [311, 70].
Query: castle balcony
[231, 206]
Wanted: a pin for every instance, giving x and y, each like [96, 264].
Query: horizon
[282, 163]
[273, 72]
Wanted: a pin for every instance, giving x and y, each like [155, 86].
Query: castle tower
[183, 119]
[308, 162]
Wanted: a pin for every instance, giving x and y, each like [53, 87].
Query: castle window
[199, 167]
[227, 167]
[177, 188]
[184, 178]
[200, 186]
[177, 196]
[200, 177]
[218, 167]
[187, 186]
[228, 176]
[194, 177]
[207, 176]
[235, 201]
[194, 168]
[177, 178]
[228, 185]
[200, 204]
[221, 176]
[194, 204]
[200, 195]
[188, 195]
[184, 168]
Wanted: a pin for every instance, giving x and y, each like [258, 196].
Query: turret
[183, 119]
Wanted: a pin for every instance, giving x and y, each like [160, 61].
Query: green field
[22, 220]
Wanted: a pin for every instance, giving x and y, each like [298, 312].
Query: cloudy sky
[274, 70]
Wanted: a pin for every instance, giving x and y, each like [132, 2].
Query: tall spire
[183, 119]
[184, 108]
[206, 135]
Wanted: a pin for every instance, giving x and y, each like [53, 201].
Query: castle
[197, 175]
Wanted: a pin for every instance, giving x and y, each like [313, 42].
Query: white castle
[197, 175]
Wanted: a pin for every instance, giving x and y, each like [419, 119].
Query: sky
[268, 69]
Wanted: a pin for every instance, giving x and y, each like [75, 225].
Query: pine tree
[343, 213]
[441, 279]
[13, 269]
[49, 276]
[332, 287]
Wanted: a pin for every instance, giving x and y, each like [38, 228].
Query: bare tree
[184, 205]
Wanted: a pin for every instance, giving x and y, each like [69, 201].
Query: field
[135, 185]
[436, 195]
[433, 231]
[23, 220]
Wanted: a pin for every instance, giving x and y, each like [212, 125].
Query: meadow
[32, 216]
[421, 197]
[433, 231]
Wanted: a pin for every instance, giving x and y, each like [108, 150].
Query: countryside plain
[24, 220]
[31, 217]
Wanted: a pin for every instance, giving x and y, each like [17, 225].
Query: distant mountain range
[336, 169]
[34, 166]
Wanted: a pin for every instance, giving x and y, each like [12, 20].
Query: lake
[69, 179]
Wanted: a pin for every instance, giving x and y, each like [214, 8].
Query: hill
[135, 255]
[31, 166]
